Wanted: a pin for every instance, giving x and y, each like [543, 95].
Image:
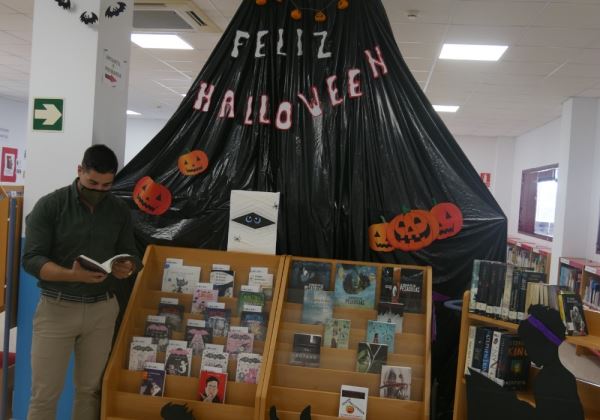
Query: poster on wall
[486, 177]
[8, 168]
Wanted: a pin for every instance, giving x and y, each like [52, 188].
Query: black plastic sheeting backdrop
[370, 157]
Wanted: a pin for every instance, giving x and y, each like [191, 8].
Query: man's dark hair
[101, 159]
[212, 379]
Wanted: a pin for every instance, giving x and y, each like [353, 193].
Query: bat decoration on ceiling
[65, 4]
[88, 18]
[115, 10]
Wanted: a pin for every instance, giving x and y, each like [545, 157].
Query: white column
[502, 180]
[578, 139]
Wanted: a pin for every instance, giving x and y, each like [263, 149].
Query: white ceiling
[554, 53]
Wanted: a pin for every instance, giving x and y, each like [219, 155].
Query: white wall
[139, 133]
[13, 126]
[595, 199]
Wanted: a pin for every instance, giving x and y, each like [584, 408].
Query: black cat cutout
[554, 387]
[172, 411]
[304, 415]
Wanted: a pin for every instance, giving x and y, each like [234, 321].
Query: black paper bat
[253, 220]
[115, 10]
[89, 18]
[65, 4]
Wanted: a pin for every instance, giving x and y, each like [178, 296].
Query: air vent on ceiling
[170, 16]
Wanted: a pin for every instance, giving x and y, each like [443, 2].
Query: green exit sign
[48, 114]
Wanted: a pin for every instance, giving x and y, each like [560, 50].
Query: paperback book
[395, 382]
[355, 286]
[337, 333]
[173, 311]
[256, 322]
[392, 313]
[305, 273]
[157, 328]
[106, 266]
[353, 402]
[218, 319]
[370, 357]
[181, 279]
[153, 379]
[248, 368]
[212, 386]
[318, 307]
[263, 280]
[381, 333]
[204, 293]
[306, 350]
[411, 290]
[571, 310]
[390, 284]
[214, 359]
[222, 281]
[197, 335]
[178, 358]
[250, 298]
[141, 350]
[239, 342]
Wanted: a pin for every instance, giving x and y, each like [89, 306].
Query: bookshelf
[290, 388]
[6, 192]
[590, 285]
[570, 273]
[120, 392]
[528, 254]
[588, 393]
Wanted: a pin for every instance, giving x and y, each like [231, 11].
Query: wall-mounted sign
[8, 166]
[486, 177]
[48, 114]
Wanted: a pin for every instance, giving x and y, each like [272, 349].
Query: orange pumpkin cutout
[320, 16]
[342, 4]
[296, 14]
[413, 230]
[378, 238]
[449, 217]
[193, 163]
[151, 197]
[261, 2]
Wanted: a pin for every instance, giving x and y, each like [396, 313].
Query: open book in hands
[106, 266]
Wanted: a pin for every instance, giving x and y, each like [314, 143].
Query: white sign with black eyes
[253, 221]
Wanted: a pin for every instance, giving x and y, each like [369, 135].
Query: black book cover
[370, 357]
[411, 290]
[173, 312]
[513, 363]
[482, 290]
[477, 360]
[306, 350]
[574, 315]
[304, 273]
[387, 284]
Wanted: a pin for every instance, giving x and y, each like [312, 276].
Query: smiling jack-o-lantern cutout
[449, 217]
[413, 230]
[378, 238]
[151, 197]
[193, 163]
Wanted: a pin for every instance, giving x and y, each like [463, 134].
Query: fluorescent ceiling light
[183, 94]
[472, 52]
[165, 41]
[130, 112]
[446, 108]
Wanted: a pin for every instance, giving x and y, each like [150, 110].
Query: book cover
[141, 350]
[371, 357]
[306, 350]
[239, 342]
[223, 281]
[218, 319]
[392, 313]
[250, 298]
[470, 348]
[353, 402]
[157, 328]
[214, 359]
[390, 284]
[355, 286]
[264, 280]
[317, 307]
[248, 368]
[513, 364]
[204, 293]
[395, 382]
[574, 318]
[474, 286]
[173, 313]
[305, 273]
[181, 279]
[178, 358]
[153, 380]
[212, 386]
[197, 335]
[381, 333]
[337, 333]
[411, 290]
[256, 322]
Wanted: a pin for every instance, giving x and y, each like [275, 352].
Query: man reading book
[77, 309]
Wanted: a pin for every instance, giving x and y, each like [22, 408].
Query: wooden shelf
[291, 388]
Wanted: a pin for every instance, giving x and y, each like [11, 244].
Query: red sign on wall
[8, 166]
[486, 177]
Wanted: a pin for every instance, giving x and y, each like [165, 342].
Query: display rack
[6, 192]
[120, 392]
[570, 273]
[291, 388]
[529, 255]
[588, 393]
[589, 280]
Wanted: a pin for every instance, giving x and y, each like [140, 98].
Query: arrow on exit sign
[48, 114]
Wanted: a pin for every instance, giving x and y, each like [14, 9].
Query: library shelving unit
[120, 392]
[588, 393]
[528, 254]
[290, 388]
[570, 273]
[590, 278]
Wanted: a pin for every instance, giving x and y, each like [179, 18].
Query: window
[538, 201]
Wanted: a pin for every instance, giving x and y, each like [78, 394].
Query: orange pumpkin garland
[151, 197]
[193, 163]
[320, 16]
[296, 14]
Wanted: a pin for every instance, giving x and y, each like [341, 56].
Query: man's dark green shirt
[60, 228]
